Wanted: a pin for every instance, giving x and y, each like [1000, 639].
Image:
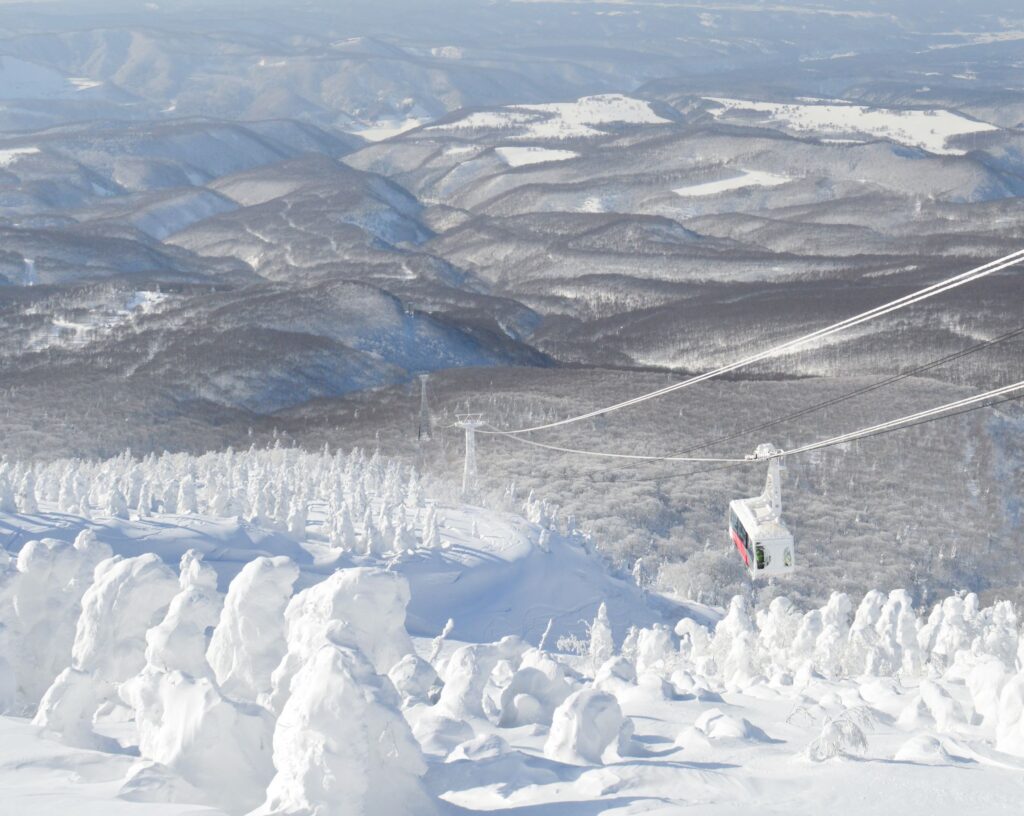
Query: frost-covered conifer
[296, 522]
[367, 605]
[344, 533]
[249, 639]
[26, 499]
[45, 592]
[178, 642]
[373, 541]
[116, 504]
[694, 642]
[602, 646]
[8, 504]
[629, 644]
[734, 644]
[438, 643]
[431, 532]
[655, 651]
[127, 598]
[220, 505]
[776, 628]
[187, 500]
[341, 744]
[830, 645]
[67, 497]
[862, 638]
[413, 491]
[468, 672]
[145, 505]
[385, 527]
[806, 638]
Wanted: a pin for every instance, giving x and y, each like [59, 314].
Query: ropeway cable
[896, 424]
[993, 404]
[957, 355]
[609, 455]
[682, 456]
[701, 471]
[941, 412]
[946, 285]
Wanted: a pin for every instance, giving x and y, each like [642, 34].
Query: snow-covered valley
[279, 632]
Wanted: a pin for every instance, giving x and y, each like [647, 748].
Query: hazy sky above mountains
[878, 6]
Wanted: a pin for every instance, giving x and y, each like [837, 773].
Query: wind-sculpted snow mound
[127, 597]
[44, 592]
[182, 719]
[584, 727]
[341, 745]
[364, 607]
[249, 640]
[220, 747]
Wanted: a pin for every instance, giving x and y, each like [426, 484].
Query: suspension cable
[702, 471]
[898, 424]
[940, 412]
[609, 455]
[810, 409]
[946, 285]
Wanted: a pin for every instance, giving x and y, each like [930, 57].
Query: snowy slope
[197, 663]
[930, 130]
[489, 575]
[585, 117]
[493, 573]
[747, 178]
[522, 156]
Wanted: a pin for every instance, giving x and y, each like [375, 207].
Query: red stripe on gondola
[739, 546]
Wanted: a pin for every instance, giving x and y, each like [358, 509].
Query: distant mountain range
[245, 212]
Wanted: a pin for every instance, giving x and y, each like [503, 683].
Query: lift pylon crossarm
[765, 452]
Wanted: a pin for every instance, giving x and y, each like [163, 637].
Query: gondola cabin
[756, 528]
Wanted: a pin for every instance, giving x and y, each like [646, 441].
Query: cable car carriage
[755, 525]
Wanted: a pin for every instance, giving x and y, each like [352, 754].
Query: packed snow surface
[586, 117]
[277, 632]
[748, 178]
[927, 129]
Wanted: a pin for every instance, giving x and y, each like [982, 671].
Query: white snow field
[10, 155]
[930, 130]
[386, 128]
[523, 156]
[747, 178]
[586, 117]
[283, 632]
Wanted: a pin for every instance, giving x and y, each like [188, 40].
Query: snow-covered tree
[341, 744]
[602, 645]
[249, 639]
[187, 500]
